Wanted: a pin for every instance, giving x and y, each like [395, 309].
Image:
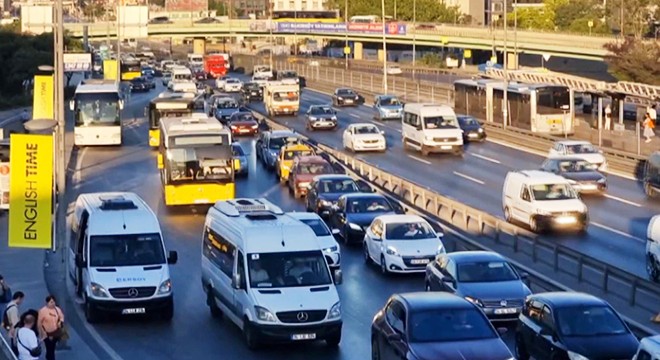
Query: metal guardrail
[613, 282]
[5, 350]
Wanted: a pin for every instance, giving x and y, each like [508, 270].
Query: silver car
[239, 154]
[388, 107]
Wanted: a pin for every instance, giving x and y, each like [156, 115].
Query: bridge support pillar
[381, 55]
[199, 46]
[512, 60]
[357, 51]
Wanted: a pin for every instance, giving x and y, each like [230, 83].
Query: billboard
[74, 62]
[31, 191]
[187, 5]
[36, 19]
[42, 100]
[133, 22]
[390, 28]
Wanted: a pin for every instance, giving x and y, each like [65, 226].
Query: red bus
[215, 65]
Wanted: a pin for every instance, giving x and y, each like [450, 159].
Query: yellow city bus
[167, 104]
[196, 161]
[130, 69]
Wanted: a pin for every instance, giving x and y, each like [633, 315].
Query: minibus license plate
[133, 311]
[419, 261]
[303, 336]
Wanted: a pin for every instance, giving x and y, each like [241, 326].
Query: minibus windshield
[126, 250]
[288, 269]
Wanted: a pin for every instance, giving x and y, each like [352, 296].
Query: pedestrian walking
[29, 347]
[5, 291]
[649, 126]
[11, 318]
[652, 112]
[608, 117]
[51, 325]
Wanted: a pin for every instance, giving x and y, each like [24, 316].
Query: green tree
[533, 18]
[637, 16]
[426, 10]
[635, 60]
[219, 6]
[94, 10]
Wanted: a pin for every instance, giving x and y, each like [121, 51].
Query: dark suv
[251, 92]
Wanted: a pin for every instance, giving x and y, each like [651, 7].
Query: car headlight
[474, 301]
[355, 226]
[165, 287]
[331, 249]
[255, 126]
[391, 250]
[273, 153]
[428, 138]
[576, 356]
[441, 250]
[264, 314]
[98, 291]
[286, 167]
[333, 118]
[313, 118]
[340, 98]
[480, 130]
[325, 203]
[602, 181]
[335, 311]
[572, 182]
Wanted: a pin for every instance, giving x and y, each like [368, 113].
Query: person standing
[5, 291]
[51, 324]
[608, 117]
[11, 317]
[28, 343]
[649, 126]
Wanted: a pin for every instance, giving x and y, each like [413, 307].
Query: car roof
[363, 195]
[332, 177]
[311, 159]
[400, 218]
[363, 125]
[537, 177]
[560, 299]
[420, 301]
[320, 106]
[470, 256]
[344, 89]
[282, 133]
[566, 157]
[574, 142]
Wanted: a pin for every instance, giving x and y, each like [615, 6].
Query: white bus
[97, 106]
[365, 19]
[540, 108]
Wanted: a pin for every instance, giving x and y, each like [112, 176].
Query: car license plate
[506, 311]
[349, 101]
[566, 220]
[419, 261]
[133, 311]
[472, 135]
[445, 147]
[589, 187]
[303, 336]
[244, 130]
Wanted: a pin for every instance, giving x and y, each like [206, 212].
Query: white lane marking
[622, 200]
[355, 116]
[469, 178]
[271, 190]
[618, 232]
[420, 160]
[486, 158]
[380, 124]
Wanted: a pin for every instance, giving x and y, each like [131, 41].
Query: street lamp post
[505, 107]
[270, 29]
[515, 32]
[346, 33]
[382, 5]
[414, 54]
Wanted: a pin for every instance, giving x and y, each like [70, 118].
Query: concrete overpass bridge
[528, 42]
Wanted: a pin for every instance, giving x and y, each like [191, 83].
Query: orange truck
[215, 65]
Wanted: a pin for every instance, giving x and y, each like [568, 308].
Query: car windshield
[485, 271]
[321, 111]
[288, 269]
[581, 149]
[288, 96]
[289, 155]
[237, 150]
[319, 227]
[126, 250]
[469, 121]
[553, 192]
[389, 102]
[243, 117]
[589, 321]
[138, 80]
[224, 104]
[288, 75]
[97, 109]
[456, 325]
[368, 205]
[252, 86]
[232, 81]
[315, 169]
[337, 186]
[345, 92]
[277, 142]
[408, 231]
[440, 122]
[576, 166]
[367, 130]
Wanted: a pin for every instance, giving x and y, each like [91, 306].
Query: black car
[350, 216]
[325, 190]
[482, 277]
[140, 84]
[321, 117]
[161, 20]
[472, 129]
[430, 326]
[583, 175]
[252, 91]
[563, 325]
[345, 97]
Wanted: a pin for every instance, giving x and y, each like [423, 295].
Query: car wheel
[648, 189]
[383, 266]
[333, 340]
[533, 224]
[521, 350]
[213, 307]
[425, 151]
[652, 268]
[507, 214]
[427, 287]
[249, 335]
[168, 313]
[296, 194]
[367, 257]
[375, 350]
[346, 237]
[91, 313]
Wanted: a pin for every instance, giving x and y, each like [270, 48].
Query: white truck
[282, 99]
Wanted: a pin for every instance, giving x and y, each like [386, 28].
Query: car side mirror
[173, 257]
[80, 262]
[72, 105]
[338, 277]
[364, 187]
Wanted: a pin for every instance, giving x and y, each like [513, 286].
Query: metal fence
[613, 283]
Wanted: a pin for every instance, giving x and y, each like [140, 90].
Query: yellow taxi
[285, 159]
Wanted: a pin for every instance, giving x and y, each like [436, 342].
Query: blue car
[269, 144]
[388, 107]
[225, 107]
[239, 154]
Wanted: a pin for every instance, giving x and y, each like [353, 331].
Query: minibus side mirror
[173, 257]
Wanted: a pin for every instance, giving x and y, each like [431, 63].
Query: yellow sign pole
[31, 191]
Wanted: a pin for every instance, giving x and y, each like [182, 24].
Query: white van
[117, 257]
[543, 201]
[431, 128]
[266, 272]
[653, 248]
[263, 71]
[195, 60]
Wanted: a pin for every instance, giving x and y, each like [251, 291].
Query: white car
[653, 249]
[261, 80]
[581, 149]
[649, 348]
[401, 243]
[233, 85]
[394, 70]
[327, 241]
[220, 82]
[364, 137]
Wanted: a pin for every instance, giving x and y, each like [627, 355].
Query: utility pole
[60, 162]
[505, 107]
[118, 42]
[414, 54]
[515, 32]
[382, 6]
[346, 32]
[270, 29]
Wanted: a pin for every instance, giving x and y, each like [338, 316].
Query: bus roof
[97, 87]
[191, 125]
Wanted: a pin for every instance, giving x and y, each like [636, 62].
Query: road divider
[477, 229]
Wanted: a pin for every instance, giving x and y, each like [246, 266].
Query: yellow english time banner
[30, 191]
[42, 101]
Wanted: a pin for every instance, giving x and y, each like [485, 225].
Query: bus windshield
[286, 96]
[200, 163]
[99, 109]
[552, 100]
[157, 114]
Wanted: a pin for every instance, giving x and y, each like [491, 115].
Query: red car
[243, 123]
[303, 171]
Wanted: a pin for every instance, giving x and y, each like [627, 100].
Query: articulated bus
[167, 104]
[97, 106]
[331, 16]
[540, 108]
[196, 161]
[130, 69]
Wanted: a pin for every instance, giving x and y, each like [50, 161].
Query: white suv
[653, 248]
